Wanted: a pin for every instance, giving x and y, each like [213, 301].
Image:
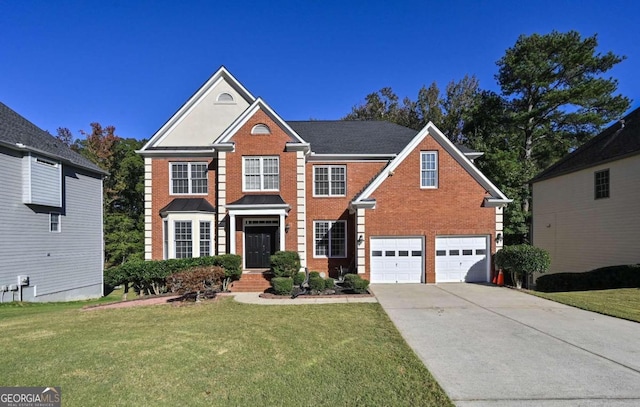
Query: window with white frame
[261, 173]
[182, 239]
[54, 222]
[188, 178]
[165, 239]
[429, 169]
[329, 180]
[205, 239]
[330, 238]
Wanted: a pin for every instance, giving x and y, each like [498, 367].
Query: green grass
[214, 353]
[621, 303]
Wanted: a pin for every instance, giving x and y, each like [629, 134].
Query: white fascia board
[194, 100]
[257, 212]
[440, 138]
[225, 147]
[496, 202]
[351, 157]
[241, 120]
[264, 206]
[364, 204]
[474, 155]
[305, 147]
[166, 213]
[177, 153]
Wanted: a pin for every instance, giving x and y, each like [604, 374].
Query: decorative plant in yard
[150, 276]
[522, 261]
[285, 264]
[198, 279]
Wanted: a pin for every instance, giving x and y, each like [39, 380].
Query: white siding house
[51, 235]
[586, 208]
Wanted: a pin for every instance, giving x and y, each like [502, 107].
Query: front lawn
[621, 303]
[214, 353]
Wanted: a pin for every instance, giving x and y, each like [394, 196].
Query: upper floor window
[189, 178]
[330, 238]
[261, 173]
[601, 179]
[261, 128]
[429, 169]
[329, 180]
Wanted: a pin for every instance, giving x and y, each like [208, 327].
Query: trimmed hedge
[521, 261]
[355, 282]
[298, 278]
[285, 263]
[316, 283]
[197, 279]
[150, 276]
[329, 283]
[282, 285]
[605, 278]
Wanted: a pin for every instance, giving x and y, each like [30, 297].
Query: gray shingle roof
[353, 137]
[620, 140]
[15, 129]
[188, 205]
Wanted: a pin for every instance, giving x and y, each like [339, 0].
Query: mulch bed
[173, 299]
[272, 296]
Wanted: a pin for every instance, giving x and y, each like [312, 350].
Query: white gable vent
[260, 129]
[225, 98]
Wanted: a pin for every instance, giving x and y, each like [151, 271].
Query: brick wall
[161, 196]
[404, 209]
[359, 174]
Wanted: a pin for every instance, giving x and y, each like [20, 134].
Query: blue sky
[132, 64]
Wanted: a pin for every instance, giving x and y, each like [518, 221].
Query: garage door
[462, 258]
[396, 260]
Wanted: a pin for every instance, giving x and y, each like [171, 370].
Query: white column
[361, 249]
[282, 232]
[232, 233]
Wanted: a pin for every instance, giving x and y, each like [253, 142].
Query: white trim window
[330, 239]
[261, 173]
[429, 169]
[329, 180]
[205, 238]
[182, 239]
[187, 178]
[54, 222]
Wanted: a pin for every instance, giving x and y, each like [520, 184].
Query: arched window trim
[260, 129]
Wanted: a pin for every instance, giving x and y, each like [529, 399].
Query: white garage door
[396, 260]
[462, 258]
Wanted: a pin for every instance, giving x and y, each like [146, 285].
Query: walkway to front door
[260, 244]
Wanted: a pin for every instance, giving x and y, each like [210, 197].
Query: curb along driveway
[493, 346]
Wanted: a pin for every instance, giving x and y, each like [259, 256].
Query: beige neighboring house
[586, 207]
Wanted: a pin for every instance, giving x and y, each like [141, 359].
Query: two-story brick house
[226, 174]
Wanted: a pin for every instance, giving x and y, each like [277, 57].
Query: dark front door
[260, 244]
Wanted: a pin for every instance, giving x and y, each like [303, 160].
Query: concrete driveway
[493, 346]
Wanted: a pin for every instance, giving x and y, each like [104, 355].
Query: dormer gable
[205, 115]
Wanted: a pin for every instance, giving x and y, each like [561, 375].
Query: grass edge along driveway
[620, 303]
[215, 353]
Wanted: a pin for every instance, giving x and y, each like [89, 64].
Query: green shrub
[329, 283]
[316, 283]
[355, 282]
[605, 278]
[314, 274]
[197, 279]
[282, 285]
[298, 278]
[522, 260]
[285, 263]
[150, 276]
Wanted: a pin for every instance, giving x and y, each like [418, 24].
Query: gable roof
[18, 133]
[497, 198]
[620, 140]
[257, 105]
[219, 75]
